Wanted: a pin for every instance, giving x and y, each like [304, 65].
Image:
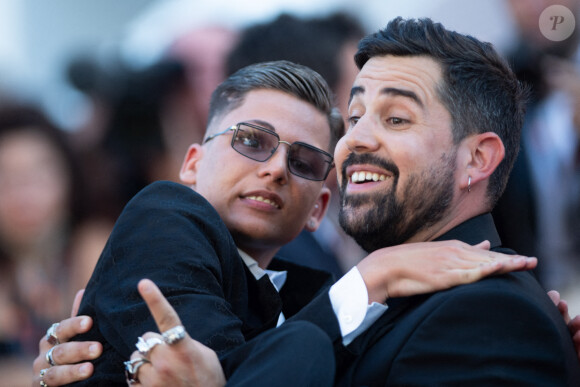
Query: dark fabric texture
[299, 350]
[173, 236]
[501, 331]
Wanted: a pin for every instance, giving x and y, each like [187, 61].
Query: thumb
[77, 303]
[486, 245]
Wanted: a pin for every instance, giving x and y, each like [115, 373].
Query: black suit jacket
[503, 330]
[173, 236]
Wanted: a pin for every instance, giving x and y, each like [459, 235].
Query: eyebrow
[389, 91]
[263, 124]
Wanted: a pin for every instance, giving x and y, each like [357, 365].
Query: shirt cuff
[349, 299]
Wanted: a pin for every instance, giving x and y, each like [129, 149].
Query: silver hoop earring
[469, 184]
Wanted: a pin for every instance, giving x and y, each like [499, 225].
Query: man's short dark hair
[291, 78]
[479, 89]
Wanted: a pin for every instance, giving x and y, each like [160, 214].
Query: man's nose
[362, 137]
[277, 165]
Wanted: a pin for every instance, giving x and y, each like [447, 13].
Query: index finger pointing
[163, 313]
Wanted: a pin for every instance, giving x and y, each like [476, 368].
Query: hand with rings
[171, 358]
[61, 362]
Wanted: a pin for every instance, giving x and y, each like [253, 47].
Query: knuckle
[164, 368]
[38, 364]
[454, 249]
[57, 353]
[51, 377]
[167, 320]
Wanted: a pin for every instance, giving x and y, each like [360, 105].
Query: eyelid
[403, 121]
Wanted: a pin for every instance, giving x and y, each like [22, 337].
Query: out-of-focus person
[45, 253]
[539, 213]
[203, 51]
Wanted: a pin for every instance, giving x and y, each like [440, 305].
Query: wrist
[376, 278]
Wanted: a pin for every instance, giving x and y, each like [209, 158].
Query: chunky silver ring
[49, 358]
[173, 335]
[145, 346]
[132, 369]
[42, 373]
[51, 334]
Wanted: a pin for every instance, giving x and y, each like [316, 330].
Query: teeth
[362, 176]
[261, 199]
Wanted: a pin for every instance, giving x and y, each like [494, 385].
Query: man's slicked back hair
[288, 77]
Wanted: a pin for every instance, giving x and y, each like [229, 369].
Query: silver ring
[145, 346]
[42, 373]
[132, 369]
[173, 335]
[49, 358]
[51, 336]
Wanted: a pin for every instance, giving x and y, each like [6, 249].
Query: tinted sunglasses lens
[307, 162]
[254, 143]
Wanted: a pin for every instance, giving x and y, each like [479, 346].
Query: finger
[164, 315]
[140, 375]
[75, 352]
[517, 263]
[576, 339]
[563, 308]
[77, 303]
[486, 245]
[531, 263]
[554, 296]
[575, 323]
[474, 274]
[484, 269]
[152, 344]
[66, 330]
[61, 375]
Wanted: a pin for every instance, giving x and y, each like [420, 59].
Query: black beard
[380, 220]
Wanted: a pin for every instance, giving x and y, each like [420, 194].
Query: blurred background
[99, 98]
[38, 40]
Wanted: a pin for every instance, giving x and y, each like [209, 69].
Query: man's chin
[352, 220]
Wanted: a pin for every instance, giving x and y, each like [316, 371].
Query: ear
[188, 172]
[481, 154]
[318, 210]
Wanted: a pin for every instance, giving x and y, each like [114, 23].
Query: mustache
[371, 159]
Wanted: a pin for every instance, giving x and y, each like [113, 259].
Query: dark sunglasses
[258, 143]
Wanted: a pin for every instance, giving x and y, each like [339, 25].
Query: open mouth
[365, 176]
[264, 200]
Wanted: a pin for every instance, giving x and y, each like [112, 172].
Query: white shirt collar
[278, 278]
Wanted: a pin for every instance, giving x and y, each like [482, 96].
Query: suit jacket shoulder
[499, 331]
[173, 236]
[503, 330]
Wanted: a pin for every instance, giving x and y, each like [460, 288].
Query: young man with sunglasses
[258, 180]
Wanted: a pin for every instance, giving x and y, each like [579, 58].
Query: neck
[465, 206]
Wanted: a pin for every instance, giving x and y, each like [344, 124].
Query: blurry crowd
[61, 191]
